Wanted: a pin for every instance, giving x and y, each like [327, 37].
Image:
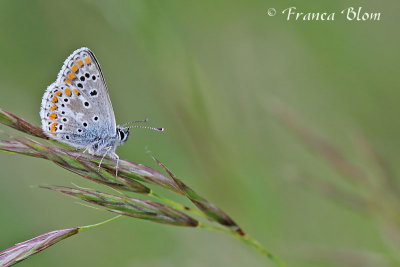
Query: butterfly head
[122, 135]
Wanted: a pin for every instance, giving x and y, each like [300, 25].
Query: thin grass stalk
[248, 240]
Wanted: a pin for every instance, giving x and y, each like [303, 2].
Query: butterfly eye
[121, 135]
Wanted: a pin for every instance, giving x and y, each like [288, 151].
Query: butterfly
[76, 109]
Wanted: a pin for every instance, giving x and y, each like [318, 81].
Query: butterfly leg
[104, 155]
[83, 152]
[115, 156]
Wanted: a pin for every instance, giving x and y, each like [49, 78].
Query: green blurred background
[209, 71]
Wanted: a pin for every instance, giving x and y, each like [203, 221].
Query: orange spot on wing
[53, 127]
[58, 93]
[80, 63]
[87, 60]
[53, 116]
[54, 99]
[77, 92]
[68, 81]
[53, 107]
[67, 91]
[71, 76]
[75, 68]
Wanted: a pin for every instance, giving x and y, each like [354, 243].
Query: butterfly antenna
[147, 127]
[145, 120]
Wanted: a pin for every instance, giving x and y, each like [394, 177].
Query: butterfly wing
[76, 109]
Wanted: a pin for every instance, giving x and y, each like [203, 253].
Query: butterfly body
[76, 109]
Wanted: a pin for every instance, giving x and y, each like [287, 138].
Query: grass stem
[247, 240]
[100, 223]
